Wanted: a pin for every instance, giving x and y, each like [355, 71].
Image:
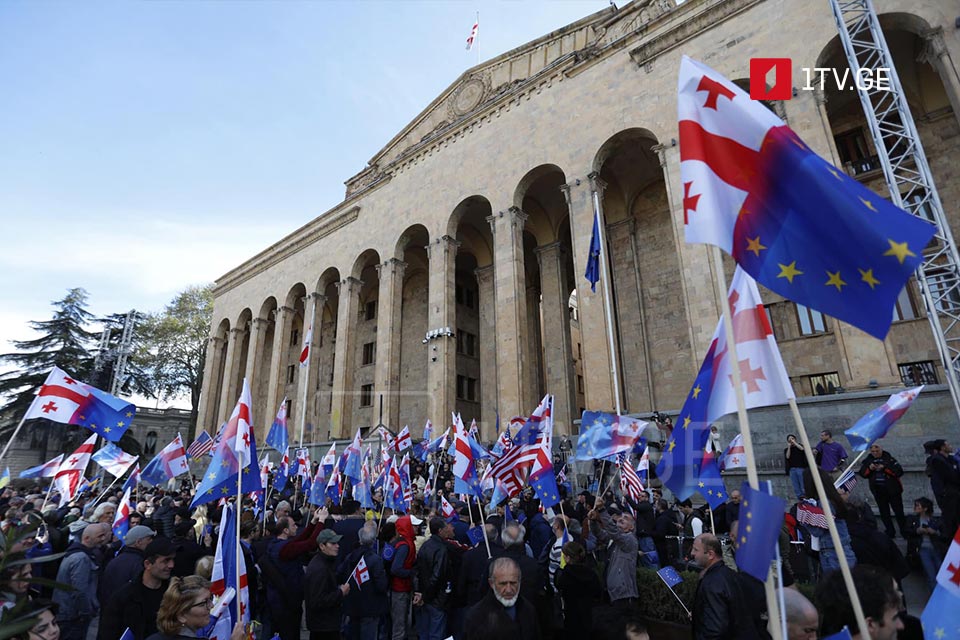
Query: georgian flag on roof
[473, 34]
[66, 400]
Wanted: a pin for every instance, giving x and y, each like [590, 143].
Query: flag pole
[717, 264]
[606, 293]
[19, 426]
[104, 492]
[306, 373]
[856, 461]
[690, 615]
[483, 527]
[831, 524]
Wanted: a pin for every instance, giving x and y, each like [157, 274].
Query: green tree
[63, 342]
[177, 340]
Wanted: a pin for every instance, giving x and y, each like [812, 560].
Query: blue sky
[148, 146]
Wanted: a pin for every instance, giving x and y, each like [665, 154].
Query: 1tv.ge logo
[772, 78]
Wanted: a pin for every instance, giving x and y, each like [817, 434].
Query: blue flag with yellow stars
[797, 224]
[592, 274]
[941, 617]
[220, 479]
[761, 516]
[709, 483]
[679, 463]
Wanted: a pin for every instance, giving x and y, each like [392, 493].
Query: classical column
[212, 379]
[597, 376]
[442, 314]
[283, 322]
[864, 357]
[488, 353]
[258, 333]
[387, 373]
[341, 425]
[557, 347]
[228, 390]
[936, 54]
[510, 295]
[312, 304]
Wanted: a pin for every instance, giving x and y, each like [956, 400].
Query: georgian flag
[446, 509]
[46, 470]
[225, 571]
[303, 463]
[68, 476]
[949, 575]
[361, 574]
[735, 457]
[473, 35]
[121, 521]
[305, 352]
[404, 441]
[386, 435]
[243, 415]
[762, 374]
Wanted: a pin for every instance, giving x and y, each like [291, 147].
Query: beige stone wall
[558, 103]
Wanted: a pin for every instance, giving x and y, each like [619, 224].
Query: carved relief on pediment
[471, 93]
[639, 15]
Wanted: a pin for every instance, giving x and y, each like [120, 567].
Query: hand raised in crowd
[345, 588]
[239, 632]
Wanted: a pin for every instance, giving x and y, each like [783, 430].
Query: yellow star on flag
[673, 444]
[835, 281]
[701, 485]
[867, 204]
[753, 244]
[686, 422]
[129, 414]
[106, 429]
[121, 423]
[696, 391]
[789, 271]
[835, 173]
[900, 250]
[867, 276]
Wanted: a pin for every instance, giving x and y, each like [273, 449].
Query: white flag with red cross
[242, 414]
[305, 352]
[949, 575]
[473, 34]
[70, 474]
[446, 509]
[361, 574]
[404, 441]
[762, 374]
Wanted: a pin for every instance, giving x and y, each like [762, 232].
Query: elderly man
[719, 606]
[502, 612]
[80, 570]
[802, 617]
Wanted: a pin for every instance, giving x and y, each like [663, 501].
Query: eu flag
[875, 424]
[709, 483]
[678, 467]
[220, 479]
[593, 260]
[798, 225]
[761, 515]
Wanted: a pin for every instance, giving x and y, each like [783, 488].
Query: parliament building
[451, 276]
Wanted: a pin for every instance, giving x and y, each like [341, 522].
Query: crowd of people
[563, 572]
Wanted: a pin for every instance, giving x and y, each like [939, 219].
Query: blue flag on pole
[592, 273]
[709, 483]
[875, 424]
[941, 617]
[684, 448]
[761, 516]
[670, 576]
[277, 436]
[604, 435]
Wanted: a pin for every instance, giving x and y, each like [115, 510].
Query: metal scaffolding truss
[907, 174]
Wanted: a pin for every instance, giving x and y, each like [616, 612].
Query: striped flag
[630, 484]
[846, 482]
[201, 446]
[70, 473]
[810, 514]
[735, 457]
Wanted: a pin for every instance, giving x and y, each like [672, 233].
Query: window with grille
[824, 384]
[810, 320]
[369, 353]
[366, 395]
[916, 373]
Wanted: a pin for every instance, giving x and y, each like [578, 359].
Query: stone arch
[363, 405]
[473, 208]
[548, 257]
[413, 236]
[645, 270]
[220, 337]
[259, 349]
[320, 376]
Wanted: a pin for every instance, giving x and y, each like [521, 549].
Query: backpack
[387, 554]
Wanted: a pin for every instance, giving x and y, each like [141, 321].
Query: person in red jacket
[401, 576]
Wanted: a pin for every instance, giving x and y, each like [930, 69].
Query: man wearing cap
[79, 569]
[129, 562]
[135, 605]
[323, 597]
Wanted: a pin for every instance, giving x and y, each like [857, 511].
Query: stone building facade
[451, 275]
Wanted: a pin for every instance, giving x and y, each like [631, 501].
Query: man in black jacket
[502, 612]
[323, 597]
[135, 605]
[719, 606]
[434, 579]
[129, 562]
[944, 475]
[884, 472]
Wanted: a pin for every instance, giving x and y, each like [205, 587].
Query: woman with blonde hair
[185, 610]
